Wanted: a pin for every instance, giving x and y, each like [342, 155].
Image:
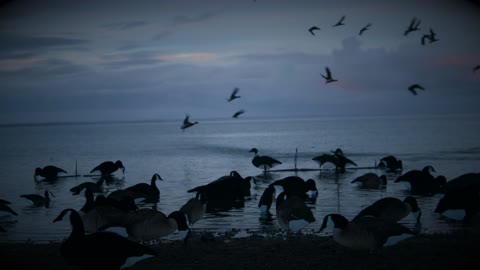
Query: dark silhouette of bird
[432, 37]
[414, 87]
[296, 185]
[464, 181]
[108, 167]
[467, 199]
[94, 187]
[476, 68]
[414, 24]
[195, 208]
[238, 113]
[422, 182]
[39, 200]
[292, 213]
[391, 209]
[391, 163]
[100, 250]
[365, 28]
[264, 162]
[186, 123]
[337, 158]
[366, 232]
[149, 192]
[370, 180]
[312, 29]
[340, 22]
[233, 95]
[266, 200]
[5, 208]
[328, 77]
[48, 172]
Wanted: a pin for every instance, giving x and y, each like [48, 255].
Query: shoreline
[454, 250]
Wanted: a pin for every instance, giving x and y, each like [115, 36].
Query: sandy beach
[457, 250]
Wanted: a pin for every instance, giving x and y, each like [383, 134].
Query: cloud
[184, 19]
[126, 25]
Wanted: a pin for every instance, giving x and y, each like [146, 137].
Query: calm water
[214, 148]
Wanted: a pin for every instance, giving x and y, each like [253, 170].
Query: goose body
[339, 160]
[328, 76]
[365, 28]
[340, 22]
[150, 192]
[265, 162]
[461, 196]
[391, 209]
[312, 29]
[422, 182]
[186, 123]
[238, 113]
[109, 167]
[194, 209]
[464, 181]
[413, 26]
[391, 163]
[296, 185]
[39, 200]
[370, 180]
[414, 87]
[48, 172]
[5, 208]
[101, 250]
[233, 95]
[266, 199]
[292, 213]
[94, 187]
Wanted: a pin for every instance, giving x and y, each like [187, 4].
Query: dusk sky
[158, 60]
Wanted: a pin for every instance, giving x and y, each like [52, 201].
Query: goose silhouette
[39, 200]
[265, 162]
[391, 209]
[391, 163]
[414, 87]
[48, 172]
[414, 26]
[186, 123]
[312, 29]
[328, 77]
[340, 22]
[238, 113]
[292, 213]
[233, 95]
[149, 192]
[365, 28]
[106, 168]
[370, 180]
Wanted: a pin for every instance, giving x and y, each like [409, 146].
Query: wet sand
[457, 250]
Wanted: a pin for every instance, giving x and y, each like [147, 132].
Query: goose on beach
[48, 172]
[365, 233]
[108, 167]
[391, 209]
[100, 250]
[238, 113]
[265, 162]
[39, 200]
[370, 180]
[292, 213]
[467, 199]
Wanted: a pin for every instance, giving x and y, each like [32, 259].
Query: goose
[466, 199]
[108, 167]
[150, 192]
[337, 159]
[100, 250]
[296, 185]
[238, 113]
[48, 172]
[476, 68]
[194, 208]
[94, 187]
[39, 200]
[414, 87]
[462, 182]
[266, 200]
[5, 208]
[233, 95]
[340, 22]
[370, 180]
[186, 123]
[365, 28]
[391, 163]
[422, 182]
[292, 213]
[414, 24]
[264, 162]
[365, 233]
[328, 77]
[391, 209]
[313, 28]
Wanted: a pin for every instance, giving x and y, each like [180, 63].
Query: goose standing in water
[94, 187]
[48, 172]
[338, 159]
[264, 162]
[296, 185]
[391, 163]
[367, 233]
[195, 208]
[266, 200]
[39, 200]
[100, 250]
[467, 200]
[233, 95]
[422, 182]
[108, 167]
[370, 180]
[186, 123]
[392, 209]
[292, 213]
[149, 192]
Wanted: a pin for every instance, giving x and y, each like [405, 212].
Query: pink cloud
[9, 65]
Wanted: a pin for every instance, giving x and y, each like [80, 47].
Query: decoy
[367, 233]
[340, 22]
[328, 77]
[238, 113]
[462, 182]
[313, 28]
[391, 209]
[186, 123]
[294, 185]
[48, 172]
[39, 200]
[414, 24]
[94, 187]
[5, 208]
[233, 95]
[370, 180]
[467, 199]
[150, 192]
[414, 87]
[266, 200]
[195, 208]
[264, 162]
[391, 163]
[100, 250]
[292, 213]
[422, 182]
[365, 28]
[108, 167]
[337, 158]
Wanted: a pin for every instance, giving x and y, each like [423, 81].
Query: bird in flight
[432, 37]
[414, 87]
[477, 68]
[187, 123]
[313, 28]
[340, 22]
[414, 24]
[233, 95]
[365, 28]
[328, 77]
[237, 114]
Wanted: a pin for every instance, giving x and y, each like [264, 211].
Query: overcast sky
[147, 60]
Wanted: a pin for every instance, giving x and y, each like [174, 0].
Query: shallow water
[212, 149]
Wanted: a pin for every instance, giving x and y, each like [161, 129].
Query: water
[212, 149]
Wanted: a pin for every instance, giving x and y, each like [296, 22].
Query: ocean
[213, 148]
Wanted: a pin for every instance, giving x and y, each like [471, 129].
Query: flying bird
[313, 28]
[340, 22]
[187, 123]
[432, 37]
[237, 114]
[414, 24]
[233, 95]
[328, 78]
[365, 28]
[414, 87]
[476, 68]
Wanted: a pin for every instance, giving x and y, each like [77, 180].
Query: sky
[69, 61]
